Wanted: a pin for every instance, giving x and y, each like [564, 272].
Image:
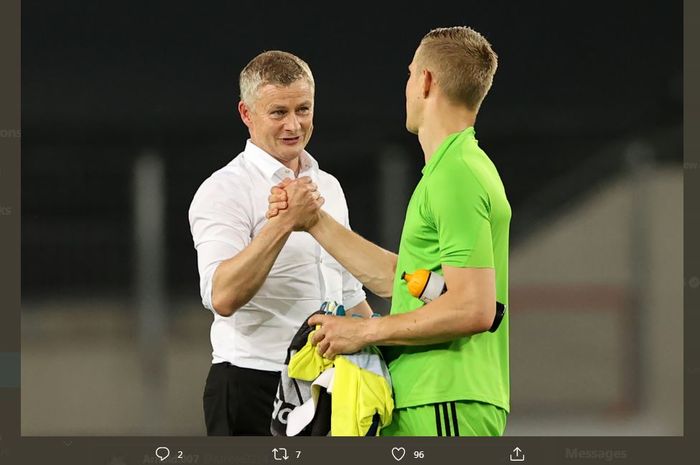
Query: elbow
[224, 306]
[484, 324]
[484, 316]
[223, 301]
[480, 319]
[386, 292]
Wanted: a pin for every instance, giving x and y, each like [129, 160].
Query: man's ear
[244, 111]
[428, 82]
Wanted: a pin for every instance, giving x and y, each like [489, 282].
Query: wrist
[318, 225]
[371, 331]
[282, 223]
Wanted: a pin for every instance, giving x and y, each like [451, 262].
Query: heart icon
[398, 453]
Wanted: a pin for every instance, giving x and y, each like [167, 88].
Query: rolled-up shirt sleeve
[221, 227]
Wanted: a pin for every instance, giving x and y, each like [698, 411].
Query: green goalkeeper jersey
[459, 216]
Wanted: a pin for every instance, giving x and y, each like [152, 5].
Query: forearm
[446, 318]
[373, 266]
[239, 278]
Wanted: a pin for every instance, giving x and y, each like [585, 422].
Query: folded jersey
[348, 396]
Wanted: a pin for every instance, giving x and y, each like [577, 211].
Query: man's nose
[292, 123]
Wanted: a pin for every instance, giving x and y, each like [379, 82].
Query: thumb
[284, 183]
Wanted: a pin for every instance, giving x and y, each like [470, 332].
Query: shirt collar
[468, 133]
[273, 169]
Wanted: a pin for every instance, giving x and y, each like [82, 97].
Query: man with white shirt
[262, 278]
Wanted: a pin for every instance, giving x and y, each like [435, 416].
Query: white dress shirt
[227, 212]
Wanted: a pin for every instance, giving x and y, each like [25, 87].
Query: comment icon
[162, 453]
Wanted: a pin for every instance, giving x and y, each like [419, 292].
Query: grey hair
[272, 67]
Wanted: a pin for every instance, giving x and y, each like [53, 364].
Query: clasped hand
[297, 200]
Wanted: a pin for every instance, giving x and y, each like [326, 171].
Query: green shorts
[460, 418]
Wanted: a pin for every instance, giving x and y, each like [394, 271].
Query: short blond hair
[272, 67]
[462, 61]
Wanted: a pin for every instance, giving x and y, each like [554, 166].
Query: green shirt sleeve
[459, 209]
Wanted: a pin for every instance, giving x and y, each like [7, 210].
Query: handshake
[296, 202]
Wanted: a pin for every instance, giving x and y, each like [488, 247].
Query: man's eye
[278, 112]
[303, 110]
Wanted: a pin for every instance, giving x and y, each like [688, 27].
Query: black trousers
[239, 401]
